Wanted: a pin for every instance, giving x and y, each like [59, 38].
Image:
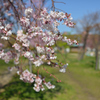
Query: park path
[82, 90]
[6, 77]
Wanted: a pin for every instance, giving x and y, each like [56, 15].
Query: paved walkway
[6, 77]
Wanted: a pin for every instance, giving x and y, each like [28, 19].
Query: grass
[80, 82]
[4, 66]
[83, 78]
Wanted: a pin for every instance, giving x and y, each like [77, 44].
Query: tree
[34, 40]
[84, 27]
[96, 42]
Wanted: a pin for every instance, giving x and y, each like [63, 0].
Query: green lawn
[80, 82]
[83, 78]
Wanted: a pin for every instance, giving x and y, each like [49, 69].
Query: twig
[60, 9]
[52, 75]
[53, 6]
[16, 12]
[59, 2]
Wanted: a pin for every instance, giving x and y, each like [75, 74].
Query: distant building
[91, 42]
[76, 48]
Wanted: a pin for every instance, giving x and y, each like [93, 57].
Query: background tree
[96, 41]
[84, 26]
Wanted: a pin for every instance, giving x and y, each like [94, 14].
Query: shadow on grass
[24, 91]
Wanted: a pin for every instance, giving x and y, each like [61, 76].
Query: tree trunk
[97, 58]
[97, 55]
[82, 54]
[84, 45]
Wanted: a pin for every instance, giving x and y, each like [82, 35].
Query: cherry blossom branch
[52, 75]
[59, 2]
[60, 9]
[35, 41]
[53, 6]
[16, 12]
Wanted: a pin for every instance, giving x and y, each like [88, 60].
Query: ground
[80, 82]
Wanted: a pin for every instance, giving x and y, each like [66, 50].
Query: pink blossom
[38, 80]
[35, 41]
[36, 88]
[16, 46]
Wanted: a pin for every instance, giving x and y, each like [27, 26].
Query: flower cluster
[35, 41]
[5, 31]
[29, 77]
[6, 56]
[28, 12]
[26, 76]
[39, 84]
[63, 69]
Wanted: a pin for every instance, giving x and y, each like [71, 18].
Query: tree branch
[16, 12]
[53, 6]
[59, 2]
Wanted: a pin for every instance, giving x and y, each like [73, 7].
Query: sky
[77, 8]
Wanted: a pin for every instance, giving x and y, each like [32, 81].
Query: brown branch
[53, 6]
[16, 12]
[52, 75]
[33, 5]
[59, 2]
[60, 9]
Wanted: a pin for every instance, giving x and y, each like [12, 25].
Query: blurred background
[82, 78]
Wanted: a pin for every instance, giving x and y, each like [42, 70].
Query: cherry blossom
[28, 12]
[35, 41]
[16, 46]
